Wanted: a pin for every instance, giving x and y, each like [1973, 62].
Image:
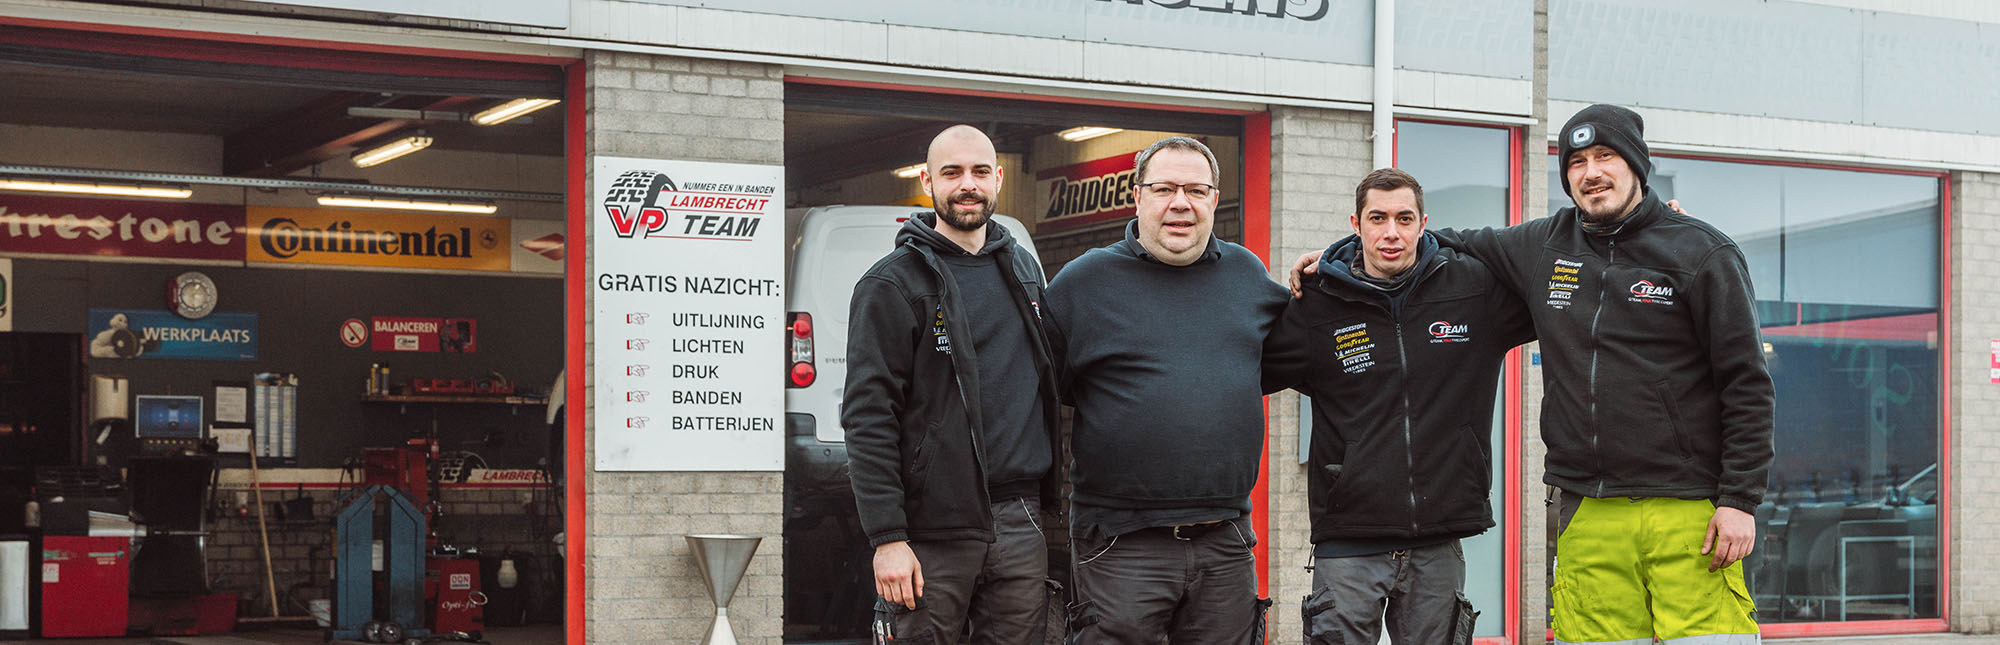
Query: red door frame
[573, 276]
[1946, 389]
[1511, 422]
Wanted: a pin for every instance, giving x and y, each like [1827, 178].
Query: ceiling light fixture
[358, 201]
[123, 190]
[395, 148]
[505, 112]
[1087, 132]
[909, 171]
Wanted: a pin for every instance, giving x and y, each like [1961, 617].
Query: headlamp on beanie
[1611, 126]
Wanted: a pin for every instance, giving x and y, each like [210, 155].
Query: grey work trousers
[1420, 592]
[975, 592]
[1193, 586]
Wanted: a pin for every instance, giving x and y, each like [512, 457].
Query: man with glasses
[1161, 337]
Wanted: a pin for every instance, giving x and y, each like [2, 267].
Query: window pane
[1463, 170]
[1845, 264]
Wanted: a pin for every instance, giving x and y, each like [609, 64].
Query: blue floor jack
[403, 565]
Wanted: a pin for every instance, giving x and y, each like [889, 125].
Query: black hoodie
[1651, 353]
[1402, 386]
[911, 408]
[1162, 364]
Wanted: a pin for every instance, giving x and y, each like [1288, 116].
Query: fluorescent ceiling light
[391, 150]
[127, 190]
[1087, 132]
[507, 111]
[909, 171]
[352, 201]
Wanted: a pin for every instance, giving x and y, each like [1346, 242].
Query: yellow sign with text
[378, 239]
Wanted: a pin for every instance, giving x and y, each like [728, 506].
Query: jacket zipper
[1403, 360]
[978, 452]
[1595, 347]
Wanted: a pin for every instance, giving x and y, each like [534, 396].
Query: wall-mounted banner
[120, 228]
[538, 246]
[377, 239]
[157, 333]
[689, 306]
[455, 335]
[1098, 190]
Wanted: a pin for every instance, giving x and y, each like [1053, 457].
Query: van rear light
[801, 372]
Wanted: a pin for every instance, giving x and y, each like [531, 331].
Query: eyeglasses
[1166, 190]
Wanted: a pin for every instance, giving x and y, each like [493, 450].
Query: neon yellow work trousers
[1629, 570]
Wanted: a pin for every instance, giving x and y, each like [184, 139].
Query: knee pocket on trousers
[1464, 617]
[1258, 621]
[1319, 619]
[1082, 614]
[903, 624]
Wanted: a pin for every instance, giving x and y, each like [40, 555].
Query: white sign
[688, 285]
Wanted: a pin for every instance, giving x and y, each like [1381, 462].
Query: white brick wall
[1975, 408]
[641, 585]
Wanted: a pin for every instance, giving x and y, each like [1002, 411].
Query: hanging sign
[375, 239]
[120, 228]
[689, 304]
[455, 335]
[159, 334]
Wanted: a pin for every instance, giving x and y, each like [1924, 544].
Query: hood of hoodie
[1133, 248]
[919, 230]
[1336, 264]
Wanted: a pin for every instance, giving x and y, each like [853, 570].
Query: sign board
[159, 334]
[689, 306]
[534, 13]
[378, 239]
[1333, 31]
[120, 228]
[454, 335]
[538, 246]
[1098, 190]
[6, 294]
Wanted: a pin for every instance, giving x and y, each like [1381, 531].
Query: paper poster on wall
[689, 307]
[159, 334]
[1099, 190]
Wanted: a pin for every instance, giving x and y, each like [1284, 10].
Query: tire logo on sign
[353, 333]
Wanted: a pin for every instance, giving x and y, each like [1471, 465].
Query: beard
[1606, 211]
[949, 214]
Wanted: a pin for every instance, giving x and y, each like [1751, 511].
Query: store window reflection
[1846, 268]
[1463, 170]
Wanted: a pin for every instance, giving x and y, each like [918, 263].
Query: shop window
[1845, 264]
[1464, 172]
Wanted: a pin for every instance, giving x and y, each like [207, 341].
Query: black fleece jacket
[911, 408]
[1402, 392]
[1651, 356]
[1162, 364]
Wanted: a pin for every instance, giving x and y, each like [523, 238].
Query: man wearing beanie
[1657, 410]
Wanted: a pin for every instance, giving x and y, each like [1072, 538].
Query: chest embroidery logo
[1354, 348]
[1645, 292]
[1563, 283]
[937, 332]
[1444, 332]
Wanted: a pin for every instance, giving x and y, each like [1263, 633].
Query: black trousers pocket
[1462, 620]
[1082, 614]
[1320, 623]
[895, 623]
[1259, 621]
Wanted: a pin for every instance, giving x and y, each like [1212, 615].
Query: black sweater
[1162, 363]
[915, 449]
[1402, 393]
[1651, 354]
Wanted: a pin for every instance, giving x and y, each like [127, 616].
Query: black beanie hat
[1611, 126]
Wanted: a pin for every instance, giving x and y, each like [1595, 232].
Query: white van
[829, 576]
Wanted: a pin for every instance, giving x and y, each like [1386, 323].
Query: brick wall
[1317, 156]
[641, 586]
[1975, 408]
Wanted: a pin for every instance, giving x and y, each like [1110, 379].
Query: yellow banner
[378, 239]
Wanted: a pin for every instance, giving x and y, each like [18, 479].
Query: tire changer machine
[408, 602]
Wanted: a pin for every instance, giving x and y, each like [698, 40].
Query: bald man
[948, 411]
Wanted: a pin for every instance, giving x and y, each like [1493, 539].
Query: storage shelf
[454, 398]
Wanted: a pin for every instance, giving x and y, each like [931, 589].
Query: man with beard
[1161, 338]
[949, 409]
[1658, 411]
